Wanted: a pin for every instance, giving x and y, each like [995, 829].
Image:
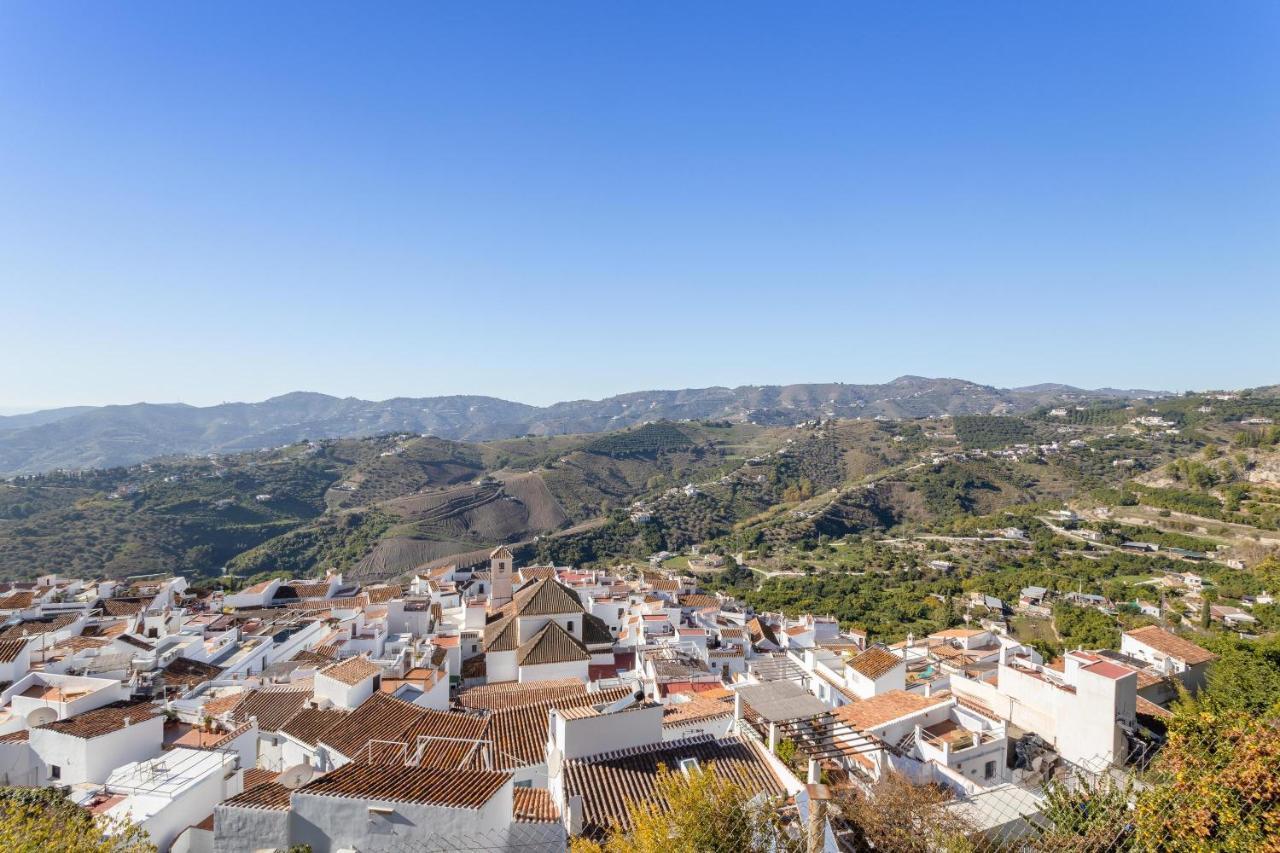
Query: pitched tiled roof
[352, 671]
[10, 649]
[438, 724]
[318, 589]
[1171, 644]
[271, 796]
[17, 601]
[310, 723]
[552, 644]
[519, 733]
[512, 694]
[698, 709]
[609, 782]
[220, 705]
[104, 720]
[384, 718]
[463, 789]
[886, 707]
[383, 594]
[595, 632]
[875, 662]
[273, 708]
[500, 635]
[546, 597]
[762, 631]
[533, 805]
[188, 673]
[34, 627]
[255, 776]
[123, 606]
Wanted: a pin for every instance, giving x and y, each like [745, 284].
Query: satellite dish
[41, 717]
[296, 776]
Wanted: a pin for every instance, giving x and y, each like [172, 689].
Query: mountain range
[81, 437]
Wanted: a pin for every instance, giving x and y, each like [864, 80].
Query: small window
[989, 770]
[55, 772]
[570, 626]
[688, 765]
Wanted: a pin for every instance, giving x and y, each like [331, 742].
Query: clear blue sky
[540, 201]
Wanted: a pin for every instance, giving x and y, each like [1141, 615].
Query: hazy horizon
[8, 410]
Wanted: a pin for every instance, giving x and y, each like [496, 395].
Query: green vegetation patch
[991, 431]
[648, 440]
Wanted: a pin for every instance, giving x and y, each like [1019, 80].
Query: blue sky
[207, 202]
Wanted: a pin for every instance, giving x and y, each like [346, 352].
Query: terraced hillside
[383, 506]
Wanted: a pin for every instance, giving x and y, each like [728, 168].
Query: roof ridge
[656, 746]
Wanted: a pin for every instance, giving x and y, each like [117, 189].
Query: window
[55, 772]
[570, 626]
[528, 783]
[687, 765]
[989, 770]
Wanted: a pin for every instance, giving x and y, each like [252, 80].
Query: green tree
[695, 812]
[39, 820]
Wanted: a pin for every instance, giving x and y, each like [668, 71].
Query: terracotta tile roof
[886, 707]
[875, 662]
[79, 643]
[460, 789]
[533, 805]
[17, 601]
[36, 627]
[760, 631]
[219, 705]
[1171, 645]
[595, 632]
[383, 594]
[1148, 708]
[273, 708]
[698, 709]
[519, 733]
[257, 776]
[607, 783]
[439, 724]
[318, 589]
[19, 736]
[552, 644]
[351, 671]
[384, 718]
[529, 573]
[500, 635]
[449, 754]
[10, 649]
[269, 795]
[123, 606]
[188, 673]
[310, 723]
[546, 597]
[350, 603]
[104, 720]
[513, 694]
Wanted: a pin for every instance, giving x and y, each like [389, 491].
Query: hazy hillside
[375, 506]
[382, 506]
[79, 438]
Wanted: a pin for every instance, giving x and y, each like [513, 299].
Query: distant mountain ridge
[95, 437]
